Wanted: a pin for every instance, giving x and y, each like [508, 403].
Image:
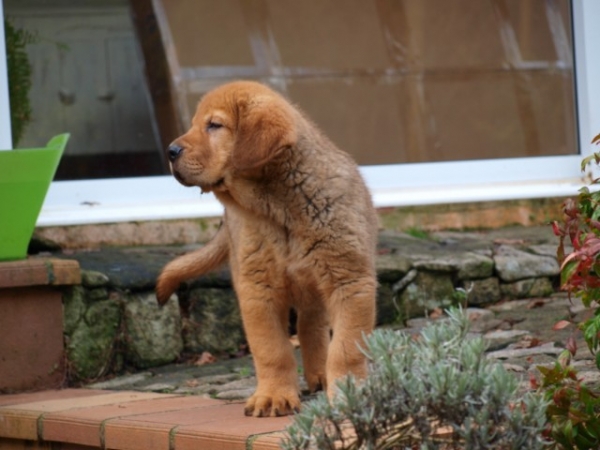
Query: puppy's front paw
[280, 403]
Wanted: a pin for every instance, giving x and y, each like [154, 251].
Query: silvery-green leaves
[435, 390]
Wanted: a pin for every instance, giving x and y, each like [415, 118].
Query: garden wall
[113, 323]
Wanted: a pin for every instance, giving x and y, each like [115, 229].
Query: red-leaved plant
[580, 269]
[573, 410]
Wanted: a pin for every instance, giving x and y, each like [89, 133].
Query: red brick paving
[80, 419]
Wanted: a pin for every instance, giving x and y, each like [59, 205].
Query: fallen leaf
[528, 342]
[538, 303]
[561, 324]
[436, 313]
[474, 316]
[513, 367]
[446, 431]
[205, 358]
[509, 241]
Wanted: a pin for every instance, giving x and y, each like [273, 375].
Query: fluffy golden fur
[299, 231]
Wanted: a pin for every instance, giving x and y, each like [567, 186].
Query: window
[452, 101]
[5, 132]
[88, 80]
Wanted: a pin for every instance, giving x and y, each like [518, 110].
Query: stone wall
[113, 323]
[457, 216]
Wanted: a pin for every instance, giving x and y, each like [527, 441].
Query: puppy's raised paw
[275, 405]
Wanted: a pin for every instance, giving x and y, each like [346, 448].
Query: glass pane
[396, 81]
[390, 81]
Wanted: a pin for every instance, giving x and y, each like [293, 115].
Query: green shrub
[438, 391]
[19, 78]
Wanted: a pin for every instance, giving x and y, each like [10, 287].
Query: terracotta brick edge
[129, 420]
[39, 272]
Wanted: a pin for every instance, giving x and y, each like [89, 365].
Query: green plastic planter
[25, 176]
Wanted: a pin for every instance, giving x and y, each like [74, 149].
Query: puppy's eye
[213, 126]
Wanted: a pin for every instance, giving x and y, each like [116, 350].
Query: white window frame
[162, 198]
[5, 131]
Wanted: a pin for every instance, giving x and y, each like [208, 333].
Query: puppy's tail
[191, 265]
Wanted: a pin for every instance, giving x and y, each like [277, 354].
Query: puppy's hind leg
[191, 265]
[352, 313]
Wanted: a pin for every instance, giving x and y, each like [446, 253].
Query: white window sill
[162, 198]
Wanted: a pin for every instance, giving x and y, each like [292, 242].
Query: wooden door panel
[88, 81]
[130, 111]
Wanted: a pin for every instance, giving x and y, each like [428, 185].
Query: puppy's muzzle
[174, 151]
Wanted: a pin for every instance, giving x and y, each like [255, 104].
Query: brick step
[31, 322]
[85, 419]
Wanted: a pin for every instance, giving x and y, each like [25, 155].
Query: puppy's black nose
[174, 151]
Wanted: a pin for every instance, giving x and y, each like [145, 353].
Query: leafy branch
[19, 77]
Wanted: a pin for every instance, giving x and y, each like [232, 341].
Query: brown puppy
[299, 232]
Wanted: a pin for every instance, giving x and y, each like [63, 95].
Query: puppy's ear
[266, 126]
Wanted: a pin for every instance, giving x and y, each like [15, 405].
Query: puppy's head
[238, 128]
